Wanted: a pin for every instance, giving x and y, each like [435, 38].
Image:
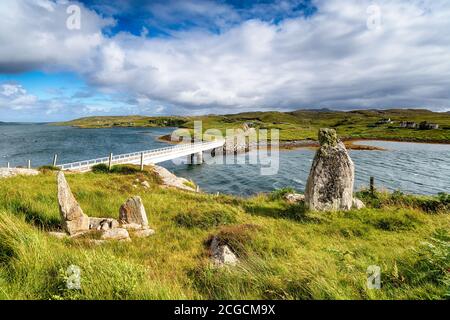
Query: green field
[285, 251]
[301, 124]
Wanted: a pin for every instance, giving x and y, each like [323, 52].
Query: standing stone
[73, 218]
[133, 211]
[330, 182]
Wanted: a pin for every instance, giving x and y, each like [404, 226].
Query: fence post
[372, 185]
[142, 161]
[29, 164]
[110, 161]
[55, 158]
[8, 165]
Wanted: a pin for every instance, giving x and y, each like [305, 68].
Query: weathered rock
[73, 218]
[59, 235]
[358, 204]
[133, 211]
[330, 182]
[132, 226]
[144, 233]
[170, 180]
[145, 184]
[11, 172]
[221, 254]
[115, 234]
[102, 223]
[294, 197]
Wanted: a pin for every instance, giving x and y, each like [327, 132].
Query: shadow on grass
[35, 217]
[295, 212]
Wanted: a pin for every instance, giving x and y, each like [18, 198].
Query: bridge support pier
[190, 159]
[199, 157]
[195, 158]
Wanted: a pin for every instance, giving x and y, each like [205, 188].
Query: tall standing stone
[330, 182]
[133, 212]
[73, 218]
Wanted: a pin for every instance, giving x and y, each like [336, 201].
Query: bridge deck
[149, 156]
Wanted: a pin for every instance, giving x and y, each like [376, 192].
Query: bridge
[193, 151]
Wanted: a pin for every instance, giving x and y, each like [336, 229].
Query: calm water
[410, 167]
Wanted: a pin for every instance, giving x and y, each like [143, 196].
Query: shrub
[428, 204]
[280, 193]
[100, 168]
[236, 237]
[48, 168]
[124, 169]
[429, 263]
[120, 169]
[393, 221]
[205, 220]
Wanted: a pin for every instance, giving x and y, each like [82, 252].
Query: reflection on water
[410, 167]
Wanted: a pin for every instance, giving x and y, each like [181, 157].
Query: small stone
[115, 234]
[102, 223]
[145, 184]
[133, 211]
[144, 233]
[358, 204]
[222, 254]
[132, 226]
[294, 197]
[59, 235]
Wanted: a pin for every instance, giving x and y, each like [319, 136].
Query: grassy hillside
[301, 124]
[285, 251]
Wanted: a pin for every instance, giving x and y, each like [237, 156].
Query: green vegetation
[122, 169]
[302, 124]
[285, 251]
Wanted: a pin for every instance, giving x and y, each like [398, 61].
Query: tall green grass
[285, 251]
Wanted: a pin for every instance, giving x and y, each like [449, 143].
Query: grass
[301, 124]
[285, 251]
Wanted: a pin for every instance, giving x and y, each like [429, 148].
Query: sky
[61, 60]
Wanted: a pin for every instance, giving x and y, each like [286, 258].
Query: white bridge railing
[148, 156]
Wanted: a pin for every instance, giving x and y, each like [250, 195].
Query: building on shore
[408, 124]
[384, 121]
[428, 126]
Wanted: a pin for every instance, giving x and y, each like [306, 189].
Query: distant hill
[299, 124]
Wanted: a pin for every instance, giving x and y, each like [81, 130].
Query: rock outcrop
[330, 182]
[103, 223]
[170, 180]
[116, 234]
[133, 212]
[11, 172]
[358, 204]
[222, 254]
[241, 141]
[73, 218]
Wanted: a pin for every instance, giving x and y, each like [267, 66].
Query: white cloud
[15, 97]
[330, 59]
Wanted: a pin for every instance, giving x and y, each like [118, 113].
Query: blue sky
[196, 57]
